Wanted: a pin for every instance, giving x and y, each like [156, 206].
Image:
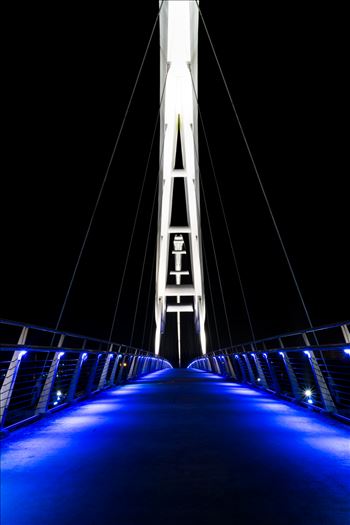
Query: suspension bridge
[100, 431]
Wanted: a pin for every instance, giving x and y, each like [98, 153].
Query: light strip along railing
[42, 370]
[310, 370]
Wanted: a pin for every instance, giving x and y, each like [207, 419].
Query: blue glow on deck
[178, 444]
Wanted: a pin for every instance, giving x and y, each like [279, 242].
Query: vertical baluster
[92, 375]
[208, 364]
[292, 377]
[229, 367]
[122, 366]
[250, 371]
[273, 374]
[115, 368]
[10, 377]
[103, 377]
[346, 333]
[326, 396]
[75, 378]
[44, 398]
[260, 371]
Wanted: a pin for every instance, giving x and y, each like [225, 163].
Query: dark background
[68, 76]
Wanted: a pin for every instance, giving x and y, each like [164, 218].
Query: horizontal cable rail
[37, 377]
[316, 375]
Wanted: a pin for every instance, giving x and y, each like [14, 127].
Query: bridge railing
[42, 370]
[311, 367]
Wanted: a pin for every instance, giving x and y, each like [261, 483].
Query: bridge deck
[178, 447]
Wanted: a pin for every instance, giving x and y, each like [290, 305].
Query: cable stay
[143, 262]
[233, 252]
[211, 298]
[257, 173]
[111, 331]
[148, 301]
[104, 180]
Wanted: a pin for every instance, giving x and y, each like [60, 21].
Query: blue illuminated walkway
[178, 447]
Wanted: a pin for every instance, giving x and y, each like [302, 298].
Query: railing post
[149, 362]
[102, 380]
[145, 365]
[326, 396]
[260, 371]
[133, 362]
[9, 383]
[151, 366]
[216, 365]
[92, 375]
[138, 365]
[44, 398]
[114, 369]
[224, 366]
[120, 374]
[141, 365]
[208, 364]
[273, 374]
[250, 371]
[211, 364]
[75, 379]
[346, 333]
[244, 375]
[10, 377]
[231, 370]
[292, 377]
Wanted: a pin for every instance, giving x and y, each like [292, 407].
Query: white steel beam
[178, 66]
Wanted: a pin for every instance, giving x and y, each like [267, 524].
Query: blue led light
[265, 355]
[347, 351]
[306, 352]
[21, 354]
[60, 355]
[281, 353]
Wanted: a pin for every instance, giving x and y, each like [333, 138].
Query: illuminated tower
[179, 135]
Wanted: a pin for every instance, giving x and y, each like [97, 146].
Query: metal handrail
[129, 350]
[285, 335]
[37, 380]
[52, 331]
[313, 375]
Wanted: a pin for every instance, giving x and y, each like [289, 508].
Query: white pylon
[178, 117]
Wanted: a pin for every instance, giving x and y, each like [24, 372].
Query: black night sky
[69, 74]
